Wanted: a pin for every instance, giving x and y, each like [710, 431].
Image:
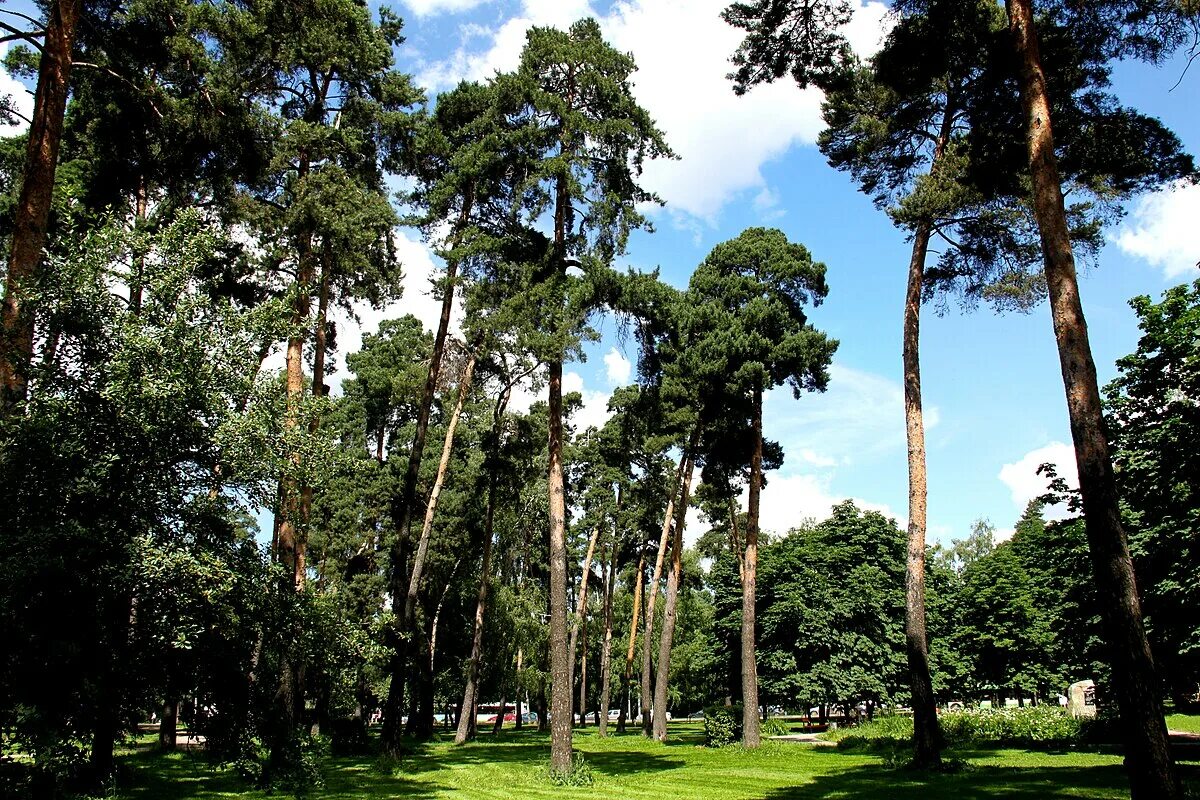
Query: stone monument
[1081, 699]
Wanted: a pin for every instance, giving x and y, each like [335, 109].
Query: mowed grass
[1185, 723]
[513, 764]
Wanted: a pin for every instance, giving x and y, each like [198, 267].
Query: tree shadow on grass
[152, 775]
[528, 751]
[971, 783]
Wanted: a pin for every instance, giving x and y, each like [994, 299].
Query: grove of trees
[203, 186]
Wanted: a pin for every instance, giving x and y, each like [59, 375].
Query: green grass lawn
[513, 766]
[1187, 723]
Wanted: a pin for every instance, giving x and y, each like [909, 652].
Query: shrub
[1037, 725]
[1042, 726]
[722, 725]
[774, 727]
[578, 774]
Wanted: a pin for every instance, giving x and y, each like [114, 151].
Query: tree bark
[927, 738]
[422, 727]
[610, 578]
[403, 503]
[169, 724]
[466, 729]
[31, 219]
[1147, 754]
[667, 636]
[627, 678]
[646, 697]
[581, 620]
[750, 722]
[927, 732]
[560, 656]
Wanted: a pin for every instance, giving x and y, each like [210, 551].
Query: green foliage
[722, 725]
[1155, 427]
[1042, 726]
[774, 727]
[578, 774]
[1036, 726]
[831, 611]
[126, 570]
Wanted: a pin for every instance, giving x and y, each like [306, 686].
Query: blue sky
[993, 390]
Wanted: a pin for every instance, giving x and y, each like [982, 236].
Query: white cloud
[21, 98]
[1162, 229]
[1025, 484]
[595, 404]
[420, 266]
[860, 416]
[789, 500]
[424, 8]
[504, 50]
[682, 49]
[617, 367]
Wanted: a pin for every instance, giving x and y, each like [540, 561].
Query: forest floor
[513, 765]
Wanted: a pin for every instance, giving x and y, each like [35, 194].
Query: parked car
[529, 717]
[614, 714]
[509, 717]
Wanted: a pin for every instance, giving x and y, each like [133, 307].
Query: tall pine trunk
[646, 697]
[560, 655]
[667, 635]
[581, 622]
[1147, 754]
[927, 738]
[927, 732]
[402, 505]
[31, 218]
[627, 677]
[750, 721]
[610, 578]
[421, 725]
[466, 719]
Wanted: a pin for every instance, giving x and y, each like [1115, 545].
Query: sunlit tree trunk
[610, 578]
[1147, 754]
[581, 622]
[750, 721]
[627, 677]
[667, 635]
[927, 732]
[647, 664]
[31, 218]
[402, 505]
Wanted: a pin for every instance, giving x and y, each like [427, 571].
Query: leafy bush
[1039, 725]
[884, 732]
[774, 727]
[722, 725]
[578, 774]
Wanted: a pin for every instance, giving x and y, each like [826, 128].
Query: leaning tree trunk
[927, 738]
[646, 691]
[466, 729]
[581, 620]
[420, 726]
[667, 636]
[1147, 754]
[402, 505]
[927, 732]
[31, 218]
[610, 578]
[750, 722]
[627, 677]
